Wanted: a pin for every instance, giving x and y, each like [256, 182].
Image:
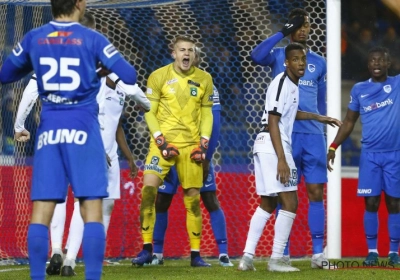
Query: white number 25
[65, 72]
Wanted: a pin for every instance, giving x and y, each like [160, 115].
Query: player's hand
[330, 158]
[22, 136]
[199, 154]
[133, 168]
[328, 120]
[283, 174]
[108, 160]
[292, 25]
[168, 151]
[206, 169]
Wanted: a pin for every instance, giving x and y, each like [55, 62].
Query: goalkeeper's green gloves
[167, 150]
[198, 154]
[292, 25]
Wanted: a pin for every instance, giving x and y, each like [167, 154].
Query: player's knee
[372, 203]
[392, 205]
[315, 192]
[192, 204]
[163, 202]
[148, 196]
[210, 201]
[289, 201]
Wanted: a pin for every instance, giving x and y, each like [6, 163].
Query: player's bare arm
[344, 131]
[283, 170]
[121, 140]
[301, 115]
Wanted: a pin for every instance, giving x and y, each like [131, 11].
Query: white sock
[57, 228]
[391, 252]
[373, 251]
[159, 255]
[283, 226]
[257, 225]
[75, 233]
[108, 206]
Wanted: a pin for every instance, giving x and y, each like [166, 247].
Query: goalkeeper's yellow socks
[193, 220]
[148, 213]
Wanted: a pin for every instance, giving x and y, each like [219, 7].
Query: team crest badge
[193, 91]
[311, 67]
[387, 88]
[154, 160]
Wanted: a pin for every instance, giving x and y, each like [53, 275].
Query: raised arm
[262, 53]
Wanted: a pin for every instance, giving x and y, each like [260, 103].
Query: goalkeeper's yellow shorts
[190, 173]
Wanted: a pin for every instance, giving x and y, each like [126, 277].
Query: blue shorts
[69, 149]
[379, 172]
[309, 154]
[171, 182]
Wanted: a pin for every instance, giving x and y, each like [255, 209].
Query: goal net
[227, 31]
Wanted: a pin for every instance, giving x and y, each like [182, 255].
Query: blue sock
[316, 223]
[218, 225]
[371, 229]
[286, 251]
[93, 247]
[160, 227]
[38, 248]
[394, 231]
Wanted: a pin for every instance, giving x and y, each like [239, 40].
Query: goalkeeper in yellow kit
[180, 122]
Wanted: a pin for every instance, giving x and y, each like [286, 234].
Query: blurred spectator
[357, 55]
[392, 42]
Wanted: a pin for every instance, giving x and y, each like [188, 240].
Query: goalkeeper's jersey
[379, 108]
[180, 101]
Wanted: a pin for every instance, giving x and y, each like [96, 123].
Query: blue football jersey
[64, 56]
[312, 84]
[379, 108]
[216, 103]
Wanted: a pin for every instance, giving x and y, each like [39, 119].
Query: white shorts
[265, 167]
[114, 178]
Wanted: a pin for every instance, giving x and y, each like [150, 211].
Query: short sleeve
[275, 99]
[354, 103]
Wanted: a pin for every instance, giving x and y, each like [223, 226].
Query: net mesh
[227, 31]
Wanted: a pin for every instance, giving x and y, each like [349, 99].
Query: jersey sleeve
[275, 99]
[208, 99]
[354, 103]
[107, 54]
[20, 54]
[216, 101]
[153, 91]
